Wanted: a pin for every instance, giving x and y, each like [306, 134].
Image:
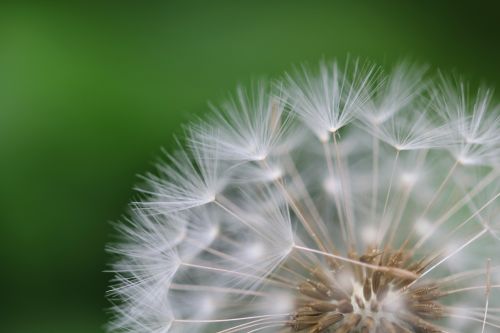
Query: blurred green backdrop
[89, 92]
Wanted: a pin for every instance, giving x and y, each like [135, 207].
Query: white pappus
[344, 198]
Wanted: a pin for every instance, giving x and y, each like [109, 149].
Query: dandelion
[344, 199]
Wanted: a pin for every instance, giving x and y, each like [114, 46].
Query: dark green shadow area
[89, 92]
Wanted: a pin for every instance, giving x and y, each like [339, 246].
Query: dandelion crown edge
[344, 197]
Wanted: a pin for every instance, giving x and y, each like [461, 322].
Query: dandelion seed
[339, 200]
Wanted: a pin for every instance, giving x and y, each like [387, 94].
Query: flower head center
[350, 298]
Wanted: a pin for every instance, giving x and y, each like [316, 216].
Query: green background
[89, 92]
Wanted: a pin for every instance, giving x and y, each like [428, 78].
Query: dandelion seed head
[342, 198]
